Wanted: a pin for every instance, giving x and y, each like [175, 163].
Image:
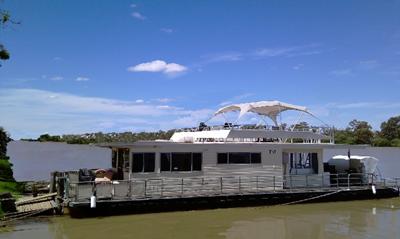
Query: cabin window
[181, 161]
[165, 162]
[239, 158]
[222, 158]
[143, 162]
[255, 157]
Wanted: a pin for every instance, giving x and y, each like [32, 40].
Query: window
[255, 157]
[222, 158]
[181, 161]
[239, 158]
[197, 161]
[143, 162]
[165, 162]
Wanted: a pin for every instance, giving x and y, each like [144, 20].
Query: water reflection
[326, 220]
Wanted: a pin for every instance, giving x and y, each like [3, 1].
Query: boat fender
[373, 189]
[93, 201]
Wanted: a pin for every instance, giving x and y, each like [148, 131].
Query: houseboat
[227, 165]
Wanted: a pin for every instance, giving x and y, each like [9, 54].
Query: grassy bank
[14, 188]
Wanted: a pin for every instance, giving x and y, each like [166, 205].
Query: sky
[115, 66]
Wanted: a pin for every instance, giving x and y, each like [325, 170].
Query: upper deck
[252, 133]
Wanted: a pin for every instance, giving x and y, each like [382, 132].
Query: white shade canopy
[268, 108]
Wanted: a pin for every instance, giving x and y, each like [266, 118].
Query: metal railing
[314, 129]
[157, 188]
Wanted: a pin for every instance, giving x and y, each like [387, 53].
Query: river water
[356, 219]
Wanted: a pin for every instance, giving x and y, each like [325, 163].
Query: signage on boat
[272, 151]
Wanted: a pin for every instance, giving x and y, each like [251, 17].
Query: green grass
[14, 188]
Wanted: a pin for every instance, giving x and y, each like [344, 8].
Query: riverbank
[15, 188]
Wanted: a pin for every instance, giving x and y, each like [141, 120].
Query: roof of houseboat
[230, 133]
[270, 109]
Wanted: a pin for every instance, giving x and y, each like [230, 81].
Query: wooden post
[53, 176]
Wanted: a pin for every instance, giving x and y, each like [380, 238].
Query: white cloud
[271, 52]
[165, 100]
[57, 78]
[293, 51]
[194, 116]
[225, 103]
[158, 66]
[229, 56]
[297, 67]
[82, 78]
[139, 101]
[368, 64]
[133, 5]
[31, 112]
[367, 105]
[342, 72]
[262, 53]
[137, 15]
[236, 99]
[167, 30]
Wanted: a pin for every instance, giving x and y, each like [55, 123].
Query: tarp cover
[267, 108]
[370, 163]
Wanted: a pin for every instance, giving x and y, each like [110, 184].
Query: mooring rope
[311, 198]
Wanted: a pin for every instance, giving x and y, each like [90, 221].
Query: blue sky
[84, 66]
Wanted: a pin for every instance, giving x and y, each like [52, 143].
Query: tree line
[357, 132]
[360, 132]
[100, 137]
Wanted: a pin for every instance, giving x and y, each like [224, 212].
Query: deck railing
[157, 188]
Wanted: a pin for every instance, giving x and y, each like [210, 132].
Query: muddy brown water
[356, 219]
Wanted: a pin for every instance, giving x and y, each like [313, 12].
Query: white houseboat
[226, 161]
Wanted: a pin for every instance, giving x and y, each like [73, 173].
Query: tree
[381, 142]
[362, 132]
[301, 126]
[6, 173]
[390, 129]
[47, 137]
[344, 136]
[4, 139]
[5, 19]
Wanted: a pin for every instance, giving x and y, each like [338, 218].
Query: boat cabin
[228, 150]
